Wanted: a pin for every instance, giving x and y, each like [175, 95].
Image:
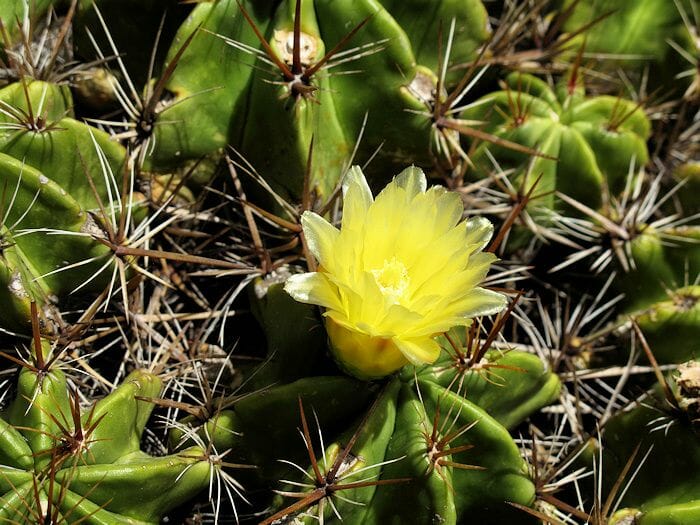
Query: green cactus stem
[595, 140]
[61, 463]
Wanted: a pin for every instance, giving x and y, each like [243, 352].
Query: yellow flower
[401, 270]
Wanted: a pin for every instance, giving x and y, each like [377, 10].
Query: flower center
[392, 279]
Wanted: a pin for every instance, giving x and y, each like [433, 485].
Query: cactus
[130, 35]
[345, 53]
[635, 34]
[43, 136]
[594, 140]
[401, 428]
[61, 463]
[59, 176]
[659, 266]
[14, 14]
[465, 402]
[31, 261]
[689, 175]
[663, 488]
[472, 29]
[669, 326]
[475, 343]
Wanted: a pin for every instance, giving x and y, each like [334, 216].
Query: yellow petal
[456, 280]
[397, 320]
[320, 237]
[418, 351]
[481, 301]
[362, 355]
[357, 198]
[479, 232]
[444, 315]
[384, 220]
[402, 269]
[313, 288]
[448, 208]
[475, 271]
[412, 180]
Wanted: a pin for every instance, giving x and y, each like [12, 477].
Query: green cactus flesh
[664, 490]
[632, 31]
[64, 464]
[414, 436]
[291, 103]
[412, 425]
[12, 11]
[32, 262]
[238, 120]
[659, 266]
[594, 140]
[471, 29]
[671, 326]
[61, 191]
